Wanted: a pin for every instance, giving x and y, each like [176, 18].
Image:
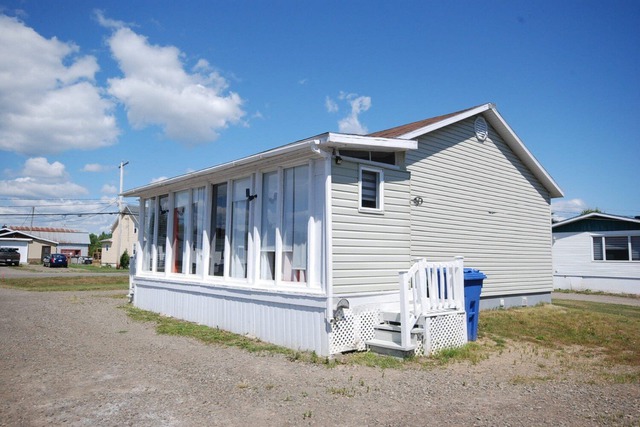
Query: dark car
[55, 260]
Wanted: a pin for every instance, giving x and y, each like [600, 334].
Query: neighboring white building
[124, 236]
[597, 252]
[302, 245]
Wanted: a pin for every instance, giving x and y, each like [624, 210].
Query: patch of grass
[607, 329]
[91, 268]
[47, 284]
[471, 352]
[590, 292]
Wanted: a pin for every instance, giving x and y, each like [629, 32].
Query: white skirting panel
[295, 321]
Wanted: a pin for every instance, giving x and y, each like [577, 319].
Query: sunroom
[247, 245]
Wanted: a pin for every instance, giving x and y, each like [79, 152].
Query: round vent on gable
[482, 130]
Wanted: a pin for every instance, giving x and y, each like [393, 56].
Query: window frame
[379, 209]
[603, 247]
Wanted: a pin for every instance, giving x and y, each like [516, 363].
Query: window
[147, 238]
[218, 229]
[295, 219]
[284, 225]
[616, 248]
[373, 156]
[197, 227]
[240, 228]
[181, 200]
[161, 243]
[371, 189]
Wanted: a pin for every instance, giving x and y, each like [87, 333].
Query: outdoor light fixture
[336, 154]
[417, 201]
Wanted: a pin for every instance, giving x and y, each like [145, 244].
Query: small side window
[371, 189]
[597, 248]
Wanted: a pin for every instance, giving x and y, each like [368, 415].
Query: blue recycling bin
[473, 280]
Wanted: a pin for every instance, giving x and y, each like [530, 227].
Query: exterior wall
[369, 249]
[35, 251]
[574, 268]
[82, 250]
[125, 234]
[295, 321]
[481, 202]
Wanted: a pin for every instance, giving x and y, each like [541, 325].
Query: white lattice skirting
[444, 331]
[351, 329]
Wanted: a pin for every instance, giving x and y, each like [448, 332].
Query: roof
[596, 221]
[59, 235]
[132, 210]
[491, 115]
[399, 138]
[11, 233]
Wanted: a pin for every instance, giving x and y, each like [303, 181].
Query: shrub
[124, 260]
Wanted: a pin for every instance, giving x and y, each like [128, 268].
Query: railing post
[405, 329]
[459, 282]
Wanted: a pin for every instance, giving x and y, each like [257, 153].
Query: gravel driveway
[74, 358]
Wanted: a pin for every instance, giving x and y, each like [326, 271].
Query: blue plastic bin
[472, 288]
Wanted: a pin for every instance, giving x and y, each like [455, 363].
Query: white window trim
[379, 190]
[603, 238]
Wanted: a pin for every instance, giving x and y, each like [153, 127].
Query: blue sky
[173, 88]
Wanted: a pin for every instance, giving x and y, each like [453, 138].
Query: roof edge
[595, 214]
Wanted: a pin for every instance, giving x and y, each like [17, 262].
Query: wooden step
[389, 348]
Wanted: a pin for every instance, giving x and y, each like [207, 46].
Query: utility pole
[120, 213]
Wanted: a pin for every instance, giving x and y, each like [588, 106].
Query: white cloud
[96, 167]
[357, 104]
[157, 91]
[331, 105]
[158, 179]
[41, 179]
[563, 209]
[39, 167]
[49, 101]
[109, 189]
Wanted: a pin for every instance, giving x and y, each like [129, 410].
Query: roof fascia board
[328, 139]
[15, 239]
[446, 122]
[29, 236]
[595, 214]
[341, 140]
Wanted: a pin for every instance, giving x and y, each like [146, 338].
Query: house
[72, 243]
[32, 248]
[124, 236]
[597, 252]
[302, 245]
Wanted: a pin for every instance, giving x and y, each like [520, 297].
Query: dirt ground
[76, 359]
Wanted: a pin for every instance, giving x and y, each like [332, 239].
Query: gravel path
[76, 359]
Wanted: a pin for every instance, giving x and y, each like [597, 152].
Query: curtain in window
[295, 220]
[269, 202]
[240, 228]
[161, 244]
[147, 238]
[197, 226]
[218, 230]
[616, 248]
[635, 248]
[369, 189]
[597, 248]
[181, 200]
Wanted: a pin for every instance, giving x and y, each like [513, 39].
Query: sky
[173, 87]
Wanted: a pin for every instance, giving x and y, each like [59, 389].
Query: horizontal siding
[481, 202]
[572, 256]
[369, 248]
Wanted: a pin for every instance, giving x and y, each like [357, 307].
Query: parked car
[55, 260]
[9, 256]
[86, 260]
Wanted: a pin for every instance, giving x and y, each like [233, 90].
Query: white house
[124, 236]
[302, 245]
[597, 252]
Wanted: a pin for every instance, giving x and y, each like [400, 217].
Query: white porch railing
[429, 288]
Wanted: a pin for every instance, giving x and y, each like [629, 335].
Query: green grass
[607, 329]
[90, 268]
[48, 284]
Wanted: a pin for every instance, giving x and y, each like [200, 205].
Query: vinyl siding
[481, 202]
[369, 249]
